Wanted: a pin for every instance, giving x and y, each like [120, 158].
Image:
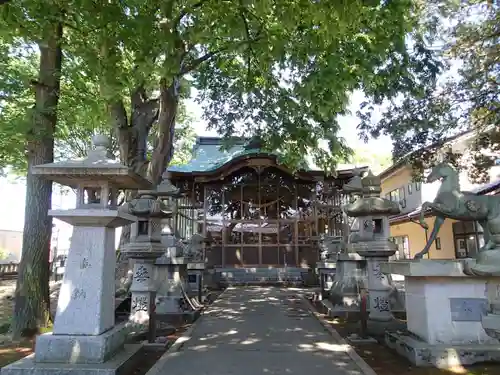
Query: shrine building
[255, 211]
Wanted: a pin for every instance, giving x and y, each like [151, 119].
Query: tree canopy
[282, 69]
[467, 99]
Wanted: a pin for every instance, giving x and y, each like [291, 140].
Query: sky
[12, 195]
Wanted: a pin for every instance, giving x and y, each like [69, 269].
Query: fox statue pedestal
[452, 203]
[445, 309]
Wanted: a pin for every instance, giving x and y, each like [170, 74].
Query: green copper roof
[208, 156]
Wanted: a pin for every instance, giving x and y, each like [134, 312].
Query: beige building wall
[401, 178]
[417, 239]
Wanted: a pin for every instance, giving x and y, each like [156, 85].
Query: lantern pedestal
[195, 273]
[88, 289]
[172, 273]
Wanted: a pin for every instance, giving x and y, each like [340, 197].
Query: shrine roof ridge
[209, 156]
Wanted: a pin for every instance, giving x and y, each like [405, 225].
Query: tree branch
[250, 49]
[184, 12]
[138, 96]
[200, 60]
[118, 116]
[144, 113]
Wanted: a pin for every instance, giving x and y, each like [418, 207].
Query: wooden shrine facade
[255, 212]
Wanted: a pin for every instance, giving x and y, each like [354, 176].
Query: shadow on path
[260, 330]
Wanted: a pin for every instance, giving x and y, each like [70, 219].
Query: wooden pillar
[259, 221]
[242, 234]
[224, 235]
[296, 240]
[223, 247]
[204, 229]
[314, 200]
[175, 218]
[194, 222]
[296, 228]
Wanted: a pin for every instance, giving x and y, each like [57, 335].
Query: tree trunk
[32, 303]
[132, 137]
[164, 145]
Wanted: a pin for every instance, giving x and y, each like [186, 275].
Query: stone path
[259, 330]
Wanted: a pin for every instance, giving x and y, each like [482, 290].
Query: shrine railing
[8, 269]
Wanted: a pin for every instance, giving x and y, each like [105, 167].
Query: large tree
[32, 292]
[468, 42]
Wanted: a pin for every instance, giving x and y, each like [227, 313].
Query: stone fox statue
[451, 203]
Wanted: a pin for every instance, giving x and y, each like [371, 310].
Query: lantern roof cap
[96, 168]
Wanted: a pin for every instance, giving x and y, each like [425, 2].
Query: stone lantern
[84, 334]
[195, 253]
[144, 248]
[169, 194]
[171, 266]
[330, 246]
[350, 275]
[372, 243]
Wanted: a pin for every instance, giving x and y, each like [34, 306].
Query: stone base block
[356, 339]
[378, 329]
[169, 304]
[334, 311]
[122, 362]
[422, 354]
[83, 349]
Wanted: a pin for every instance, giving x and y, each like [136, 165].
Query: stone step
[260, 275]
[265, 270]
[240, 275]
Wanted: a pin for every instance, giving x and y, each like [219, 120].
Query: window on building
[402, 197]
[403, 244]
[468, 238]
[410, 189]
[394, 195]
[438, 243]
[418, 185]
[397, 195]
